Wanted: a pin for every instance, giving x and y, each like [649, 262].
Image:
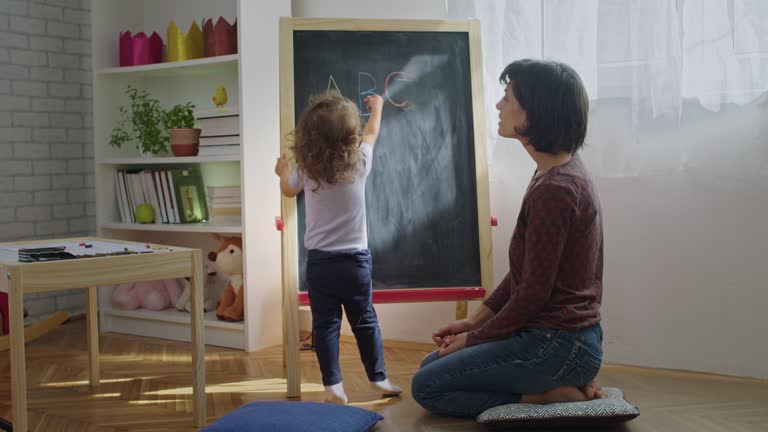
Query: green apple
[145, 214]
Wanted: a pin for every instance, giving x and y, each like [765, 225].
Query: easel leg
[198, 343]
[291, 346]
[92, 319]
[18, 367]
[461, 309]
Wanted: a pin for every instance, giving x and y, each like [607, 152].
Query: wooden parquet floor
[146, 387]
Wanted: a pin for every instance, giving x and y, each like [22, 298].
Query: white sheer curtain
[667, 79]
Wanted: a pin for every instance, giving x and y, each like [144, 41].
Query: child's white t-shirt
[335, 214]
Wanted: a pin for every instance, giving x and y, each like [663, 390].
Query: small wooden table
[129, 262]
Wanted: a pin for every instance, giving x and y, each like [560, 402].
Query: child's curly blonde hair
[327, 138]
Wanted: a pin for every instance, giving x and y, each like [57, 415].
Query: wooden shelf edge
[173, 316]
[171, 160]
[193, 227]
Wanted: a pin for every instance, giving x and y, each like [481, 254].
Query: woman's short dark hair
[555, 103]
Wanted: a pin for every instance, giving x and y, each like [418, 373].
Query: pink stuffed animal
[153, 295]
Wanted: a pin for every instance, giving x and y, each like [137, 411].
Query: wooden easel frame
[290, 268]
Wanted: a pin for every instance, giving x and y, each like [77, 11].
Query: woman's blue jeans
[533, 360]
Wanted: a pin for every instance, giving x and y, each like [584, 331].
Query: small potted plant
[184, 137]
[153, 127]
[146, 118]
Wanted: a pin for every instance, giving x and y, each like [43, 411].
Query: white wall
[260, 96]
[685, 274]
[685, 271]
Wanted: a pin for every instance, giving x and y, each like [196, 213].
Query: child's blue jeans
[533, 360]
[337, 279]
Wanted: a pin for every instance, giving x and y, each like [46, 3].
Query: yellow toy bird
[220, 98]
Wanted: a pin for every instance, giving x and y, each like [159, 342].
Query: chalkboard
[421, 196]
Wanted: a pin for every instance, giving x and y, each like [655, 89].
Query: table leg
[198, 344]
[18, 367]
[92, 318]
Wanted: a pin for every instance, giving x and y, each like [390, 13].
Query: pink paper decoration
[140, 49]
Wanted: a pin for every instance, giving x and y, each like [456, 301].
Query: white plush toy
[184, 302]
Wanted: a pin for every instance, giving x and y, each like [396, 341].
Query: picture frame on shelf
[190, 193]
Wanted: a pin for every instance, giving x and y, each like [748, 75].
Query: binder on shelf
[226, 211]
[223, 191]
[219, 150]
[149, 182]
[219, 126]
[168, 199]
[160, 196]
[122, 198]
[224, 200]
[218, 122]
[219, 140]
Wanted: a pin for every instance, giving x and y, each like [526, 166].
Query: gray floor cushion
[599, 412]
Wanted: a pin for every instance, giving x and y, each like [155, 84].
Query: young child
[332, 166]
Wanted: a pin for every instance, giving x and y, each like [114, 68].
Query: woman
[537, 338]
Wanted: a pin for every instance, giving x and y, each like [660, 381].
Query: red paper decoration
[219, 39]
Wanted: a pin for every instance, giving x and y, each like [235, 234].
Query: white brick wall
[46, 165]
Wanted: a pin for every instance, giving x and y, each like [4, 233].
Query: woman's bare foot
[594, 390]
[566, 394]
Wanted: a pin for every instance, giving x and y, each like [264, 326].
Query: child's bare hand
[373, 102]
[281, 166]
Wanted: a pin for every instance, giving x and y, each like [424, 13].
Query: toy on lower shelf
[229, 258]
[152, 295]
[184, 302]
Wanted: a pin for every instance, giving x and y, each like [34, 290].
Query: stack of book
[220, 131]
[224, 201]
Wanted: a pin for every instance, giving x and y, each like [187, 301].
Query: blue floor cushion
[599, 412]
[283, 416]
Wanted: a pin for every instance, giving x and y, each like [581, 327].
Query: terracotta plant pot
[185, 142]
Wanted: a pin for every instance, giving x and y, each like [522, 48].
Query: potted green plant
[146, 118]
[184, 137]
[152, 127]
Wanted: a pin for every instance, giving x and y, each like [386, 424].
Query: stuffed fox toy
[229, 258]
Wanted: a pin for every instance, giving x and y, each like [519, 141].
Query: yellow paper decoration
[184, 47]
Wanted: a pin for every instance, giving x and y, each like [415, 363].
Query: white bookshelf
[195, 81]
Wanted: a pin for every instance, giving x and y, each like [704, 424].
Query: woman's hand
[451, 329]
[451, 344]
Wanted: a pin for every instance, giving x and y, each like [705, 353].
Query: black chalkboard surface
[421, 196]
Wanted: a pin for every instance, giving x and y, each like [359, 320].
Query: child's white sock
[335, 394]
[386, 387]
